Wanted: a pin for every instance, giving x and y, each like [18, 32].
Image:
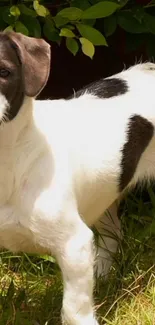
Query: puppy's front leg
[71, 240]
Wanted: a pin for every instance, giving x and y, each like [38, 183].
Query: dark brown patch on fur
[28, 61]
[11, 87]
[140, 132]
[105, 88]
[34, 55]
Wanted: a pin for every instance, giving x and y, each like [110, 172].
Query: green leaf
[21, 28]
[66, 32]
[149, 22]
[33, 25]
[9, 28]
[48, 258]
[36, 4]
[87, 47]
[110, 25]
[138, 13]
[100, 10]
[14, 11]
[72, 45]
[122, 3]
[41, 11]
[130, 24]
[26, 11]
[71, 27]
[72, 13]
[92, 34]
[47, 12]
[60, 21]
[7, 17]
[50, 31]
[80, 4]
[90, 22]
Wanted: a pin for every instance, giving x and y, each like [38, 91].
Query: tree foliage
[83, 24]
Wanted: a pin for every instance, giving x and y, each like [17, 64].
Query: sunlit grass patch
[31, 286]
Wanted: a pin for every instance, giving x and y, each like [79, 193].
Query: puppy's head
[24, 70]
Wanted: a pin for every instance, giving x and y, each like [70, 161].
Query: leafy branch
[76, 21]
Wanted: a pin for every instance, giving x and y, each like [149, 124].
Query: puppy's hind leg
[108, 235]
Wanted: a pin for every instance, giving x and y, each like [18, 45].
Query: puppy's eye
[4, 73]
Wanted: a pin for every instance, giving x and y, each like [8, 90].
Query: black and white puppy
[64, 162]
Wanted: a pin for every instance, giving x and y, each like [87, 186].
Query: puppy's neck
[12, 129]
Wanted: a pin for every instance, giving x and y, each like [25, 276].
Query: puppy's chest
[22, 180]
[15, 164]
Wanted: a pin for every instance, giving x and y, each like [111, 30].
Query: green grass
[31, 286]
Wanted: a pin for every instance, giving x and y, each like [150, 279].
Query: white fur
[3, 106]
[59, 169]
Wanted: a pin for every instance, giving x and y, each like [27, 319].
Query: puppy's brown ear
[34, 55]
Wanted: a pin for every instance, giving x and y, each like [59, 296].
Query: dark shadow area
[70, 73]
